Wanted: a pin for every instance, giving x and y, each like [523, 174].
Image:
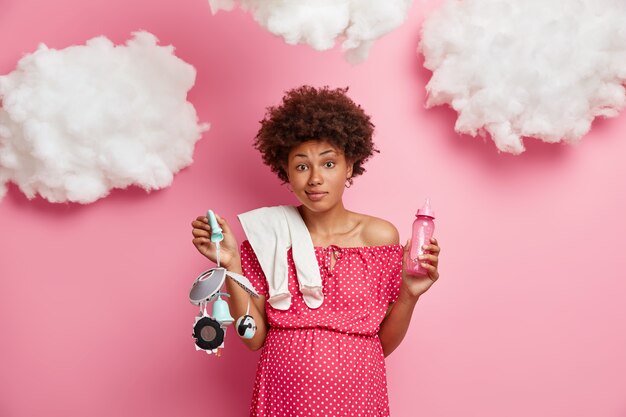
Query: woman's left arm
[398, 317]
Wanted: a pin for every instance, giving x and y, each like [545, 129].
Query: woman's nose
[315, 177]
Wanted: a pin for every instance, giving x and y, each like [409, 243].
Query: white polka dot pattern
[328, 361]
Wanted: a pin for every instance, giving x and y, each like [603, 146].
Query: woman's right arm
[238, 304]
[231, 260]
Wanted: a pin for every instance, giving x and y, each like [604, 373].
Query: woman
[327, 360]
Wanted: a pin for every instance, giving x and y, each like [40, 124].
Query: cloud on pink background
[321, 23]
[535, 68]
[78, 122]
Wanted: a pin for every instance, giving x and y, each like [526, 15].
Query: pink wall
[528, 318]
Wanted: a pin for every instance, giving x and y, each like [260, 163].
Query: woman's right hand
[229, 249]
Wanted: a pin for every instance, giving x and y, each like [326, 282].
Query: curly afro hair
[309, 113]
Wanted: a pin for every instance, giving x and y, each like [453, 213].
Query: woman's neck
[327, 224]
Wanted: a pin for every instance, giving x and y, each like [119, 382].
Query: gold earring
[348, 182]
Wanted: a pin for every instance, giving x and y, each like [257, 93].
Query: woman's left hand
[416, 285]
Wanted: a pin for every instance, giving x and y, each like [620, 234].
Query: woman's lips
[315, 196]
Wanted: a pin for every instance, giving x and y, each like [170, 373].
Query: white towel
[271, 231]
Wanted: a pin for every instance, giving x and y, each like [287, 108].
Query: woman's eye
[300, 167]
[329, 164]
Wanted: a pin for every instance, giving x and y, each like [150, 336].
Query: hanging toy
[209, 331]
[216, 234]
[221, 313]
[246, 326]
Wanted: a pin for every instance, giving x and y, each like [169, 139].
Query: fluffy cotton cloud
[77, 122]
[319, 23]
[534, 68]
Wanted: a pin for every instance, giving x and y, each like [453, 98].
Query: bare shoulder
[379, 232]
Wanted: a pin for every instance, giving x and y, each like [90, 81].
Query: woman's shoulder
[378, 232]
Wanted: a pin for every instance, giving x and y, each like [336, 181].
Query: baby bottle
[423, 229]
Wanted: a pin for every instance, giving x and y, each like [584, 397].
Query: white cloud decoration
[320, 23]
[534, 68]
[80, 121]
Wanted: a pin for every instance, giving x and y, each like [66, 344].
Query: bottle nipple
[426, 210]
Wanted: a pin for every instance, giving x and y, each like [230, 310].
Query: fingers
[202, 219]
[202, 223]
[200, 241]
[432, 259]
[223, 223]
[200, 227]
[200, 233]
[405, 255]
[433, 247]
[433, 274]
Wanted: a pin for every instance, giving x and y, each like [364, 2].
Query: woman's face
[317, 173]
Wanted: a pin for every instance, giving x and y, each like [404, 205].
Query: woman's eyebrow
[322, 153]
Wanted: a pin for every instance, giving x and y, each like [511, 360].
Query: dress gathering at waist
[322, 329]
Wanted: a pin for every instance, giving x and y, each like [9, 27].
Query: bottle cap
[426, 210]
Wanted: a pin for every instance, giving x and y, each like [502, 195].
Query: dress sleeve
[394, 274]
[252, 269]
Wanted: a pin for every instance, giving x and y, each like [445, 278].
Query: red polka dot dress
[327, 361]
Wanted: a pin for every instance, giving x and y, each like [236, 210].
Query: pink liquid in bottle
[423, 229]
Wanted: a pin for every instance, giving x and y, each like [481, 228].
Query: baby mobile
[209, 330]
